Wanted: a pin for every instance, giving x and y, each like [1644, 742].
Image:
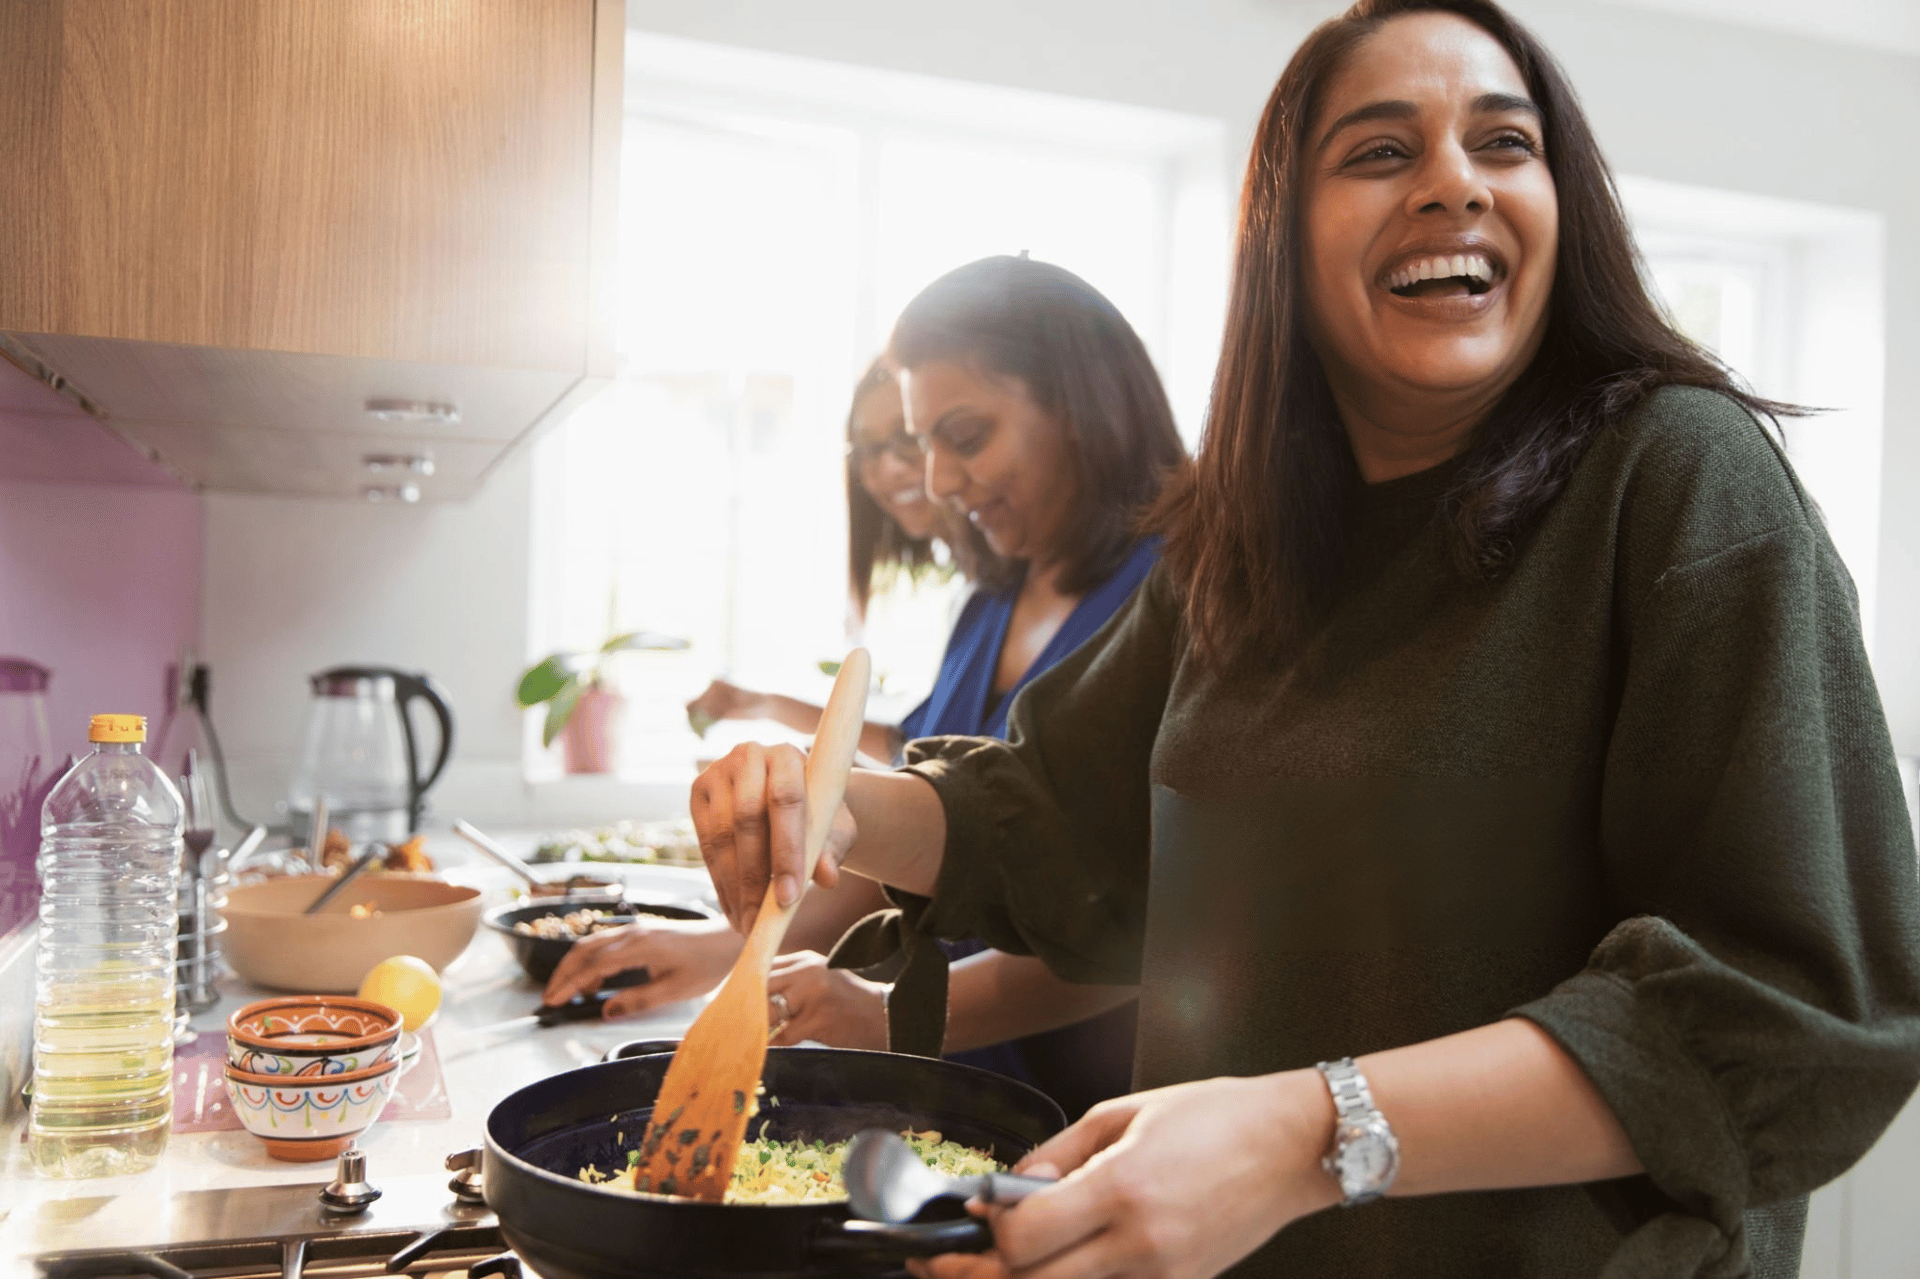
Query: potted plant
[581, 707]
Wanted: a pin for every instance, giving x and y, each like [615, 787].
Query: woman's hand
[1182, 1181]
[683, 958]
[827, 1005]
[722, 700]
[749, 810]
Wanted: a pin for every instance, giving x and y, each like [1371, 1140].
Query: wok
[539, 1138]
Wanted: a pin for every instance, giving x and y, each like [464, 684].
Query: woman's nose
[1449, 181]
[945, 477]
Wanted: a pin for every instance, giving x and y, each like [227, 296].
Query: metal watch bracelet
[1365, 1154]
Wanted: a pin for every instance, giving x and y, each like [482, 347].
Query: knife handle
[579, 1008]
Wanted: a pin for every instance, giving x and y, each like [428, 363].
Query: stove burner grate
[444, 1253]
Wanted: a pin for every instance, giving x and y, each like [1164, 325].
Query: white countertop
[483, 987]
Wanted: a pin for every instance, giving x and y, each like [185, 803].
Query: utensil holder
[196, 965]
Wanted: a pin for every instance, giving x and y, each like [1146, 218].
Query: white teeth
[1472, 265]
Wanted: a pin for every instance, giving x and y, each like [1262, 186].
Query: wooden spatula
[702, 1111]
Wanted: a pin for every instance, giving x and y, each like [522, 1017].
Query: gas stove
[427, 1227]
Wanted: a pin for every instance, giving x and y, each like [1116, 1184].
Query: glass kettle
[360, 754]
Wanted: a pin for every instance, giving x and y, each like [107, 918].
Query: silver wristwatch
[1366, 1155]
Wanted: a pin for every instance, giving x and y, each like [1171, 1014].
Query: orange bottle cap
[117, 728]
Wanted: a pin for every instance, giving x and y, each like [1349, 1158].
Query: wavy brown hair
[1079, 360]
[1256, 527]
[877, 547]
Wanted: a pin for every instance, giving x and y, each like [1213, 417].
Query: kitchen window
[775, 216]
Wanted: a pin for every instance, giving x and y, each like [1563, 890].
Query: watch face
[1368, 1157]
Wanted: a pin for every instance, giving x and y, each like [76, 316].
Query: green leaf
[628, 641]
[542, 681]
[561, 710]
[829, 668]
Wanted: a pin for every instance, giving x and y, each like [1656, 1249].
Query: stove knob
[349, 1192]
[468, 1184]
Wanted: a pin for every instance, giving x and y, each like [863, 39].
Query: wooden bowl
[270, 943]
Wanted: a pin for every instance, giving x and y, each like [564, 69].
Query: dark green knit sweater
[1639, 790]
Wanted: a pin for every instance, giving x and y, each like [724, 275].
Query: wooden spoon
[707, 1095]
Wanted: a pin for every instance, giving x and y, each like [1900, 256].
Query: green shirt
[1639, 790]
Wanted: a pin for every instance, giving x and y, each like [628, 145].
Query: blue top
[962, 702]
[1092, 1060]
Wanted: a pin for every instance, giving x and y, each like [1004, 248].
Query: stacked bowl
[307, 1074]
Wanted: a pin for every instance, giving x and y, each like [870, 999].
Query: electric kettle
[360, 754]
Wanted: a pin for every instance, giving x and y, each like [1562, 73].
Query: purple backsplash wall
[101, 582]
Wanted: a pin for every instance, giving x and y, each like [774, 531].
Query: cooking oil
[109, 868]
[103, 1075]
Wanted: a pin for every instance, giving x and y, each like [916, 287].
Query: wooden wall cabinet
[234, 222]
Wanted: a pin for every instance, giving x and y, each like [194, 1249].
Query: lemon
[407, 985]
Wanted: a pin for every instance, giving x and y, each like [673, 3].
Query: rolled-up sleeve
[1754, 1020]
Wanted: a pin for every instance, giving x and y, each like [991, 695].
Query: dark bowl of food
[540, 932]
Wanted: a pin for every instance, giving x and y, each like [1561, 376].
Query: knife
[579, 1008]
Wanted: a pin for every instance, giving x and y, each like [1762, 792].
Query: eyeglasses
[904, 447]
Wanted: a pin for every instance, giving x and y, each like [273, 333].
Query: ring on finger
[782, 1013]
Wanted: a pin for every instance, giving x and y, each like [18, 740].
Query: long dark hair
[877, 547]
[1255, 528]
[1079, 360]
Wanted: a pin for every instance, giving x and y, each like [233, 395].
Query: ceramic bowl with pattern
[313, 1117]
[312, 1035]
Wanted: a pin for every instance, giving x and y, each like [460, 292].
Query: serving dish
[315, 1117]
[270, 943]
[305, 1035]
[539, 956]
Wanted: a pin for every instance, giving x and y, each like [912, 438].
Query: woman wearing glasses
[892, 525]
[1041, 424]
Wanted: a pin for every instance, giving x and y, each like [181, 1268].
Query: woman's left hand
[827, 1005]
[1182, 1181]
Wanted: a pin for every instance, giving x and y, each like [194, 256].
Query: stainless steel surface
[349, 1192]
[288, 1211]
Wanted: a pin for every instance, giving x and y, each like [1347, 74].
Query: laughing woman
[1488, 787]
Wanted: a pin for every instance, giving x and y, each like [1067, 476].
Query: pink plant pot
[591, 738]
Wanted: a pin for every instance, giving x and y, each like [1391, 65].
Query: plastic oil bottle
[109, 868]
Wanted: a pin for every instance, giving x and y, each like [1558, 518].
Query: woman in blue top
[1043, 425]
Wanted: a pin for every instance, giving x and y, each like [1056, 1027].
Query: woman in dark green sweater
[1488, 789]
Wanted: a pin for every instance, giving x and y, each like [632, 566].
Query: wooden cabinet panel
[406, 179]
[257, 214]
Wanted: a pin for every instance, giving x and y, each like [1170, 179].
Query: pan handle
[909, 1239]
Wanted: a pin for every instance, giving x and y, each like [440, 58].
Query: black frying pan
[539, 1138]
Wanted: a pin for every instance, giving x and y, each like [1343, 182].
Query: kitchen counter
[482, 988]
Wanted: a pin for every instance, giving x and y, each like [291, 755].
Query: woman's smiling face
[887, 460]
[1430, 217]
[994, 456]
